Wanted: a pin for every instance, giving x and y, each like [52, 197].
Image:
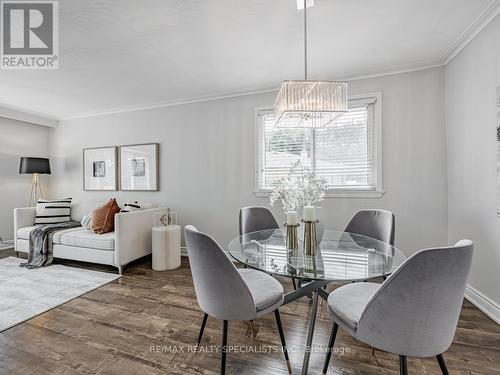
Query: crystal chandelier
[309, 104]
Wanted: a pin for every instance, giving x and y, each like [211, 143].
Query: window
[346, 152]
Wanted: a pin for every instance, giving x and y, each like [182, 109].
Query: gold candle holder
[310, 242]
[292, 240]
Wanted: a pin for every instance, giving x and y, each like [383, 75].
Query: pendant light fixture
[306, 103]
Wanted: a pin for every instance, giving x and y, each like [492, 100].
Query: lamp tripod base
[35, 190]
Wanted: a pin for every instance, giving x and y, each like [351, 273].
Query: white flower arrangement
[300, 188]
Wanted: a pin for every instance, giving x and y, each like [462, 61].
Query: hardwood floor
[147, 323]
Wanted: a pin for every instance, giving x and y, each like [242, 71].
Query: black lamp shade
[34, 165]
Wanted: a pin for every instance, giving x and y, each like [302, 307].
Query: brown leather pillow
[102, 219]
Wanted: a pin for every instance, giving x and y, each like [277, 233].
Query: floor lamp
[34, 166]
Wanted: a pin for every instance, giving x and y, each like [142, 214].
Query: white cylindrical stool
[166, 247]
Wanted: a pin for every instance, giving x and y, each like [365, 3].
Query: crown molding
[141, 107]
[491, 11]
[24, 115]
[399, 69]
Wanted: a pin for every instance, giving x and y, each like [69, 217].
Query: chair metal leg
[202, 328]
[294, 284]
[331, 344]
[403, 366]
[282, 337]
[442, 364]
[224, 348]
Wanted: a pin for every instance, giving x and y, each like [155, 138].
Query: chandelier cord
[305, 40]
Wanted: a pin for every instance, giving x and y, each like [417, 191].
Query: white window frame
[347, 192]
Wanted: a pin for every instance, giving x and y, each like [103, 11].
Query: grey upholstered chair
[378, 224]
[414, 312]
[256, 218]
[227, 293]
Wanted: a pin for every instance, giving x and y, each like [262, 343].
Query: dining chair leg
[283, 342]
[442, 364]
[294, 285]
[331, 344]
[224, 348]
[202, 328]
[403, 365]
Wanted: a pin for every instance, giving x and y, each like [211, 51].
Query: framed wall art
[139, 166]
[100, 168]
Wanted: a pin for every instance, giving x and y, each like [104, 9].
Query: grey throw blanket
[40, 248]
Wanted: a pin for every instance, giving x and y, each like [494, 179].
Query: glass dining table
[341, 257]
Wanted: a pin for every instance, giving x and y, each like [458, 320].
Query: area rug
[26, 293]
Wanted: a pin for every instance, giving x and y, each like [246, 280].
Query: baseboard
[184, 251]
[483, 303]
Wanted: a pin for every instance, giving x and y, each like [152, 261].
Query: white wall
[471, 81]
[17, 139]
[207, 158]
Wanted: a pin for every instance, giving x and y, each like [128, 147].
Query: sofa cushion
[24, 233]
[59, 233]
[85, 238]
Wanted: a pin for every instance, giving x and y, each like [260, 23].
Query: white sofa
[130, 240]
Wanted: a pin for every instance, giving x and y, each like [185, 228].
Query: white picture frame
[139, 167]
[100, 169]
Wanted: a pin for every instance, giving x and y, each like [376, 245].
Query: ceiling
[120, 54]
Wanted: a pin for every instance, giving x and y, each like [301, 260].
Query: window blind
[344, 152]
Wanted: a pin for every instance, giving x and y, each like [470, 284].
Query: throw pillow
[129, 207]
[136, 206]
[102, 219]
[53, 212]
[86, 222]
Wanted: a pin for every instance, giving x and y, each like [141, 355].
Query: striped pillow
[128, 207]
[53, 212]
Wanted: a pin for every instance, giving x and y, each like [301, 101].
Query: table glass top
[341, 256]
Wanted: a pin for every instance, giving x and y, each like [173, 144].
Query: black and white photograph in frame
[139, 167]
[498, 151]
[100, 168]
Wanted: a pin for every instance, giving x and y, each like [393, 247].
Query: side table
[166, 247]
